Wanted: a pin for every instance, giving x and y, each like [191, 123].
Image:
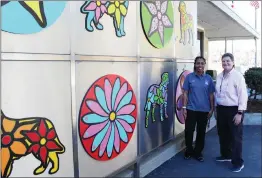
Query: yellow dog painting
[21, 137]
[186, 24]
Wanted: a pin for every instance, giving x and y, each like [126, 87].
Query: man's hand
[210, 114]
[185, 113]
[237, 119]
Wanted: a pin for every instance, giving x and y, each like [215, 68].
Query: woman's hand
[237, 119]
[210, 114]
[185, 113]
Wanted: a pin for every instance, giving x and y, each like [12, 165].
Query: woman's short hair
[231, 56]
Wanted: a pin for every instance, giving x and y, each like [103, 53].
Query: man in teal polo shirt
[198, 100]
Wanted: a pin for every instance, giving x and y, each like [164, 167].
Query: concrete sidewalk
[178, 167]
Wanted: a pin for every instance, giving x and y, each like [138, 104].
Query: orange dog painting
[35, 135]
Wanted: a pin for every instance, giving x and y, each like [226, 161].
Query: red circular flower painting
[179, 96]
[107, 117]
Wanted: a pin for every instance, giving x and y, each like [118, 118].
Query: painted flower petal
[5, 159]
[117, 140]
[96, 108]
[125, 125]
[161, 32]
[115, 91]
[105, 141]
[118, 17]
[99, 137]
[101, 98]
[94, 129]
[18, 148]
[43, 154]
[110, 144]
[123, 10]
[94, 119]
[22, 129]
[33, 136]
[51, 134]
[151, 7]
[34, 148]
[120, 95]
[53, 146]
[111, 9]
[103, 2]
[125, 100]
[103, 9]
[158, 5]
[153, 26]
[8, 125]
[122, 132]
[166, 21]
[127, 109]
[42, 129]
[98, 14]
[163, 7]
[91, 6]
[108, 93]
[128, 118]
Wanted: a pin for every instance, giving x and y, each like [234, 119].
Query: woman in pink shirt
[231, 101]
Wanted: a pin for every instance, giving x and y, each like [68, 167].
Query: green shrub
[253, 77]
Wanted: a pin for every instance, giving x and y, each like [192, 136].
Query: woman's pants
[200, 119]
[230, 135]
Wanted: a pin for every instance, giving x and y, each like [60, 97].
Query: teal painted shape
[16, 19]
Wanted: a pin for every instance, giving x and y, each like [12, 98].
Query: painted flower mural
[107, 117]
[157, 18]
[42, 141]
[95, 10]
[179, 96]
[98, 7]
[26, 136]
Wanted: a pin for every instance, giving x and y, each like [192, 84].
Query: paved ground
[178, 167]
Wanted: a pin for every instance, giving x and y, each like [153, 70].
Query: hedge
[253, 77]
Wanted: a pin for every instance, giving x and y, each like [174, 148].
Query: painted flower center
[98, 3]
[112, 116]
[42, 141]
[117, 4]
[6, 139]
[159, 15]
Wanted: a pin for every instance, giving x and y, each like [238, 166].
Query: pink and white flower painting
[107, 117]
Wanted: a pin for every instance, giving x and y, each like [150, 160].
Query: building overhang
[220, 21]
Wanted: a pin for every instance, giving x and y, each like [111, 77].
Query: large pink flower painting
[179, 96]
[107, 117]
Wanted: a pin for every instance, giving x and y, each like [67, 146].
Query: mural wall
[107, 107]
[27, 26]
[185, 29]
[110, 26]
[156, 104]
[155, 30]
[72, 68]
[36, 119]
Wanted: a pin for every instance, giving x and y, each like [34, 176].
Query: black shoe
[237, 168]
[222, 159]
[187, 155]
[199, 157]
